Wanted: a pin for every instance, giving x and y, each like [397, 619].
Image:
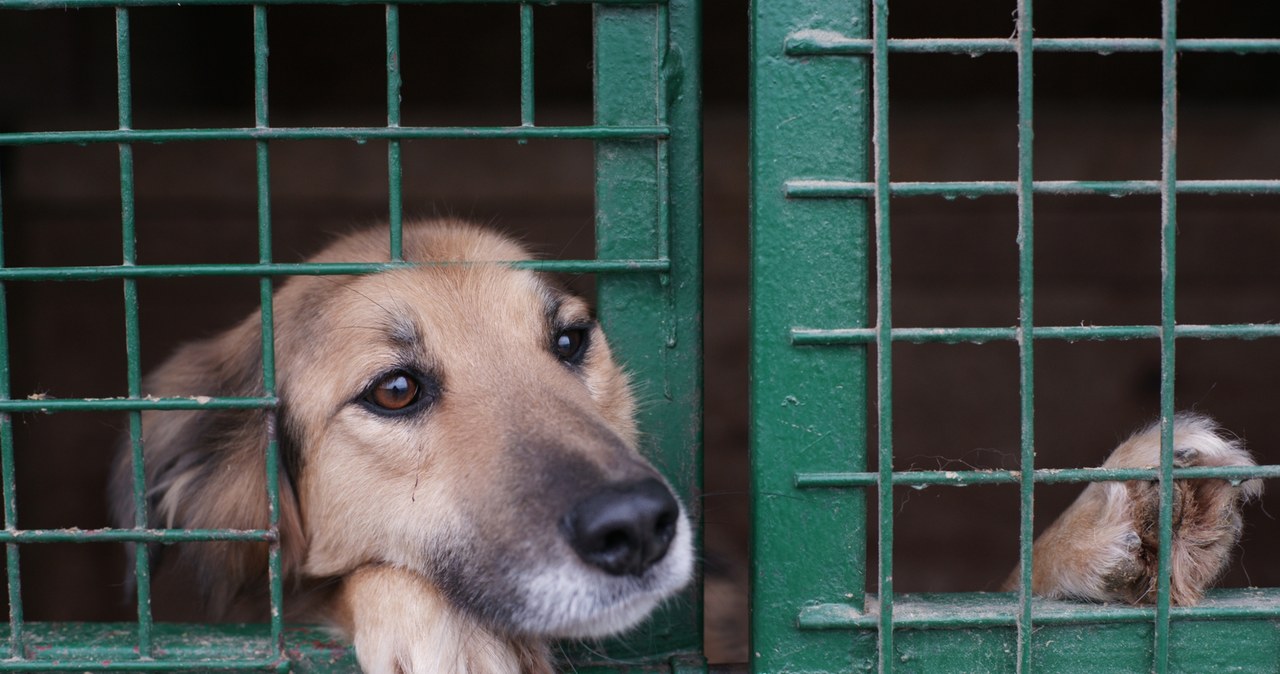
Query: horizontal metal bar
[357, 134]
[271, 664]
[221, 647]
[963, 610]
[1069, 333]
[77, 4]
[828, 43]
[309, 269]
[74, 535]
[44, 404]
[964, 478]
[849, 189]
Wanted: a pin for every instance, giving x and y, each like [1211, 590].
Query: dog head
[461, 419]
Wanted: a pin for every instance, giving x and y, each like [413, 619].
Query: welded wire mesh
[648, 258]
[822, 197]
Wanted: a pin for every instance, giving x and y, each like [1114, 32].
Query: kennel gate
[821, 206]
[647, 213]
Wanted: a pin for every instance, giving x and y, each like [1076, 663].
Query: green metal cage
[647, 147]
[822, 201]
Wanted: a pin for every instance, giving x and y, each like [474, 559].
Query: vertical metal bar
[7, 474]
[526, 64]
[395, 173]
[884, 324]
[644, 317]
[680, 227]
[1168, 278]
[142, 560]
[809, 264]
[274, 568]
[670, 67]
[1026, 319]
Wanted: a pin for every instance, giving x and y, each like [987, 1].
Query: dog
[1105, 547]
[459, 474]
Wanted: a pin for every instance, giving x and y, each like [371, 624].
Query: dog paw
[401, 624]
[1105, 547]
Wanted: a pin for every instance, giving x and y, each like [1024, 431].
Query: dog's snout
[625, 529]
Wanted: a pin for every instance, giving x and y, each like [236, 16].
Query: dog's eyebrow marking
[563, 307]
[553, 300]
[402, 332]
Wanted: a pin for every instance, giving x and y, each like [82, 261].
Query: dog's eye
[570, 344]
[394, 392]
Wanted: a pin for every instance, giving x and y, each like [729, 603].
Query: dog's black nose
[624, 529]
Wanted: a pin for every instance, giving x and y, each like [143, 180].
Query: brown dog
[458, 461]
[1105, 547]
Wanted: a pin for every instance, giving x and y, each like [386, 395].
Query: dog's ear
[206, 469]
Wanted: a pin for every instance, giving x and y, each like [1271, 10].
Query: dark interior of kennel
[952, 118]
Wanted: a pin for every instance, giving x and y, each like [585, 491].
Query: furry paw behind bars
[459, 479]
[1105, 547]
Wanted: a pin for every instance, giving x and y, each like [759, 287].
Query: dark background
[955, 262]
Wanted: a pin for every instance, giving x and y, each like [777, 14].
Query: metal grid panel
[820, 139]
[648, 252]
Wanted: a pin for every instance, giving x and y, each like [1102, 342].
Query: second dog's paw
[1105, 547]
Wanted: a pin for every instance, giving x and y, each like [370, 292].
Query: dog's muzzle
[623, 529]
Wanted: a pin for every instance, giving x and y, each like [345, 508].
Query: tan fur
[385, 608]
[1105, 547]
[440, 530]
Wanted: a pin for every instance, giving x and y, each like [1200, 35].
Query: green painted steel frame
[648, 227]
[821, 197]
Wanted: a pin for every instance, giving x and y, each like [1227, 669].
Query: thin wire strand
[884, 328]
[1026, 323]
[1168, 282]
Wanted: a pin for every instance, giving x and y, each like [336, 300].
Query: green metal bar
[615, 266]
[824, 43]
[134, 535]
[809, 409]
[1239, 643]
[831, 618]
[965, 478]
[643, 77]
[1026, 326]
[275, 563]
[133, 349]
[8, 474]
[1168, 323]
[180, 647]
[354, 133]
[679, 239]
[1068, 333]
[967, 610]
[275, 573]
[54, 405]
[849, 189]
[886, 656]
[262, 664]
[526, 65]
[78, 4]
[395, 169]
[672, 68]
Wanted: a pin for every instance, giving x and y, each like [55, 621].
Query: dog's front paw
[401, 624]
[1105, 547]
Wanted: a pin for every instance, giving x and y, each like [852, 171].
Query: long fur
[435, 536]
[1105, 546]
